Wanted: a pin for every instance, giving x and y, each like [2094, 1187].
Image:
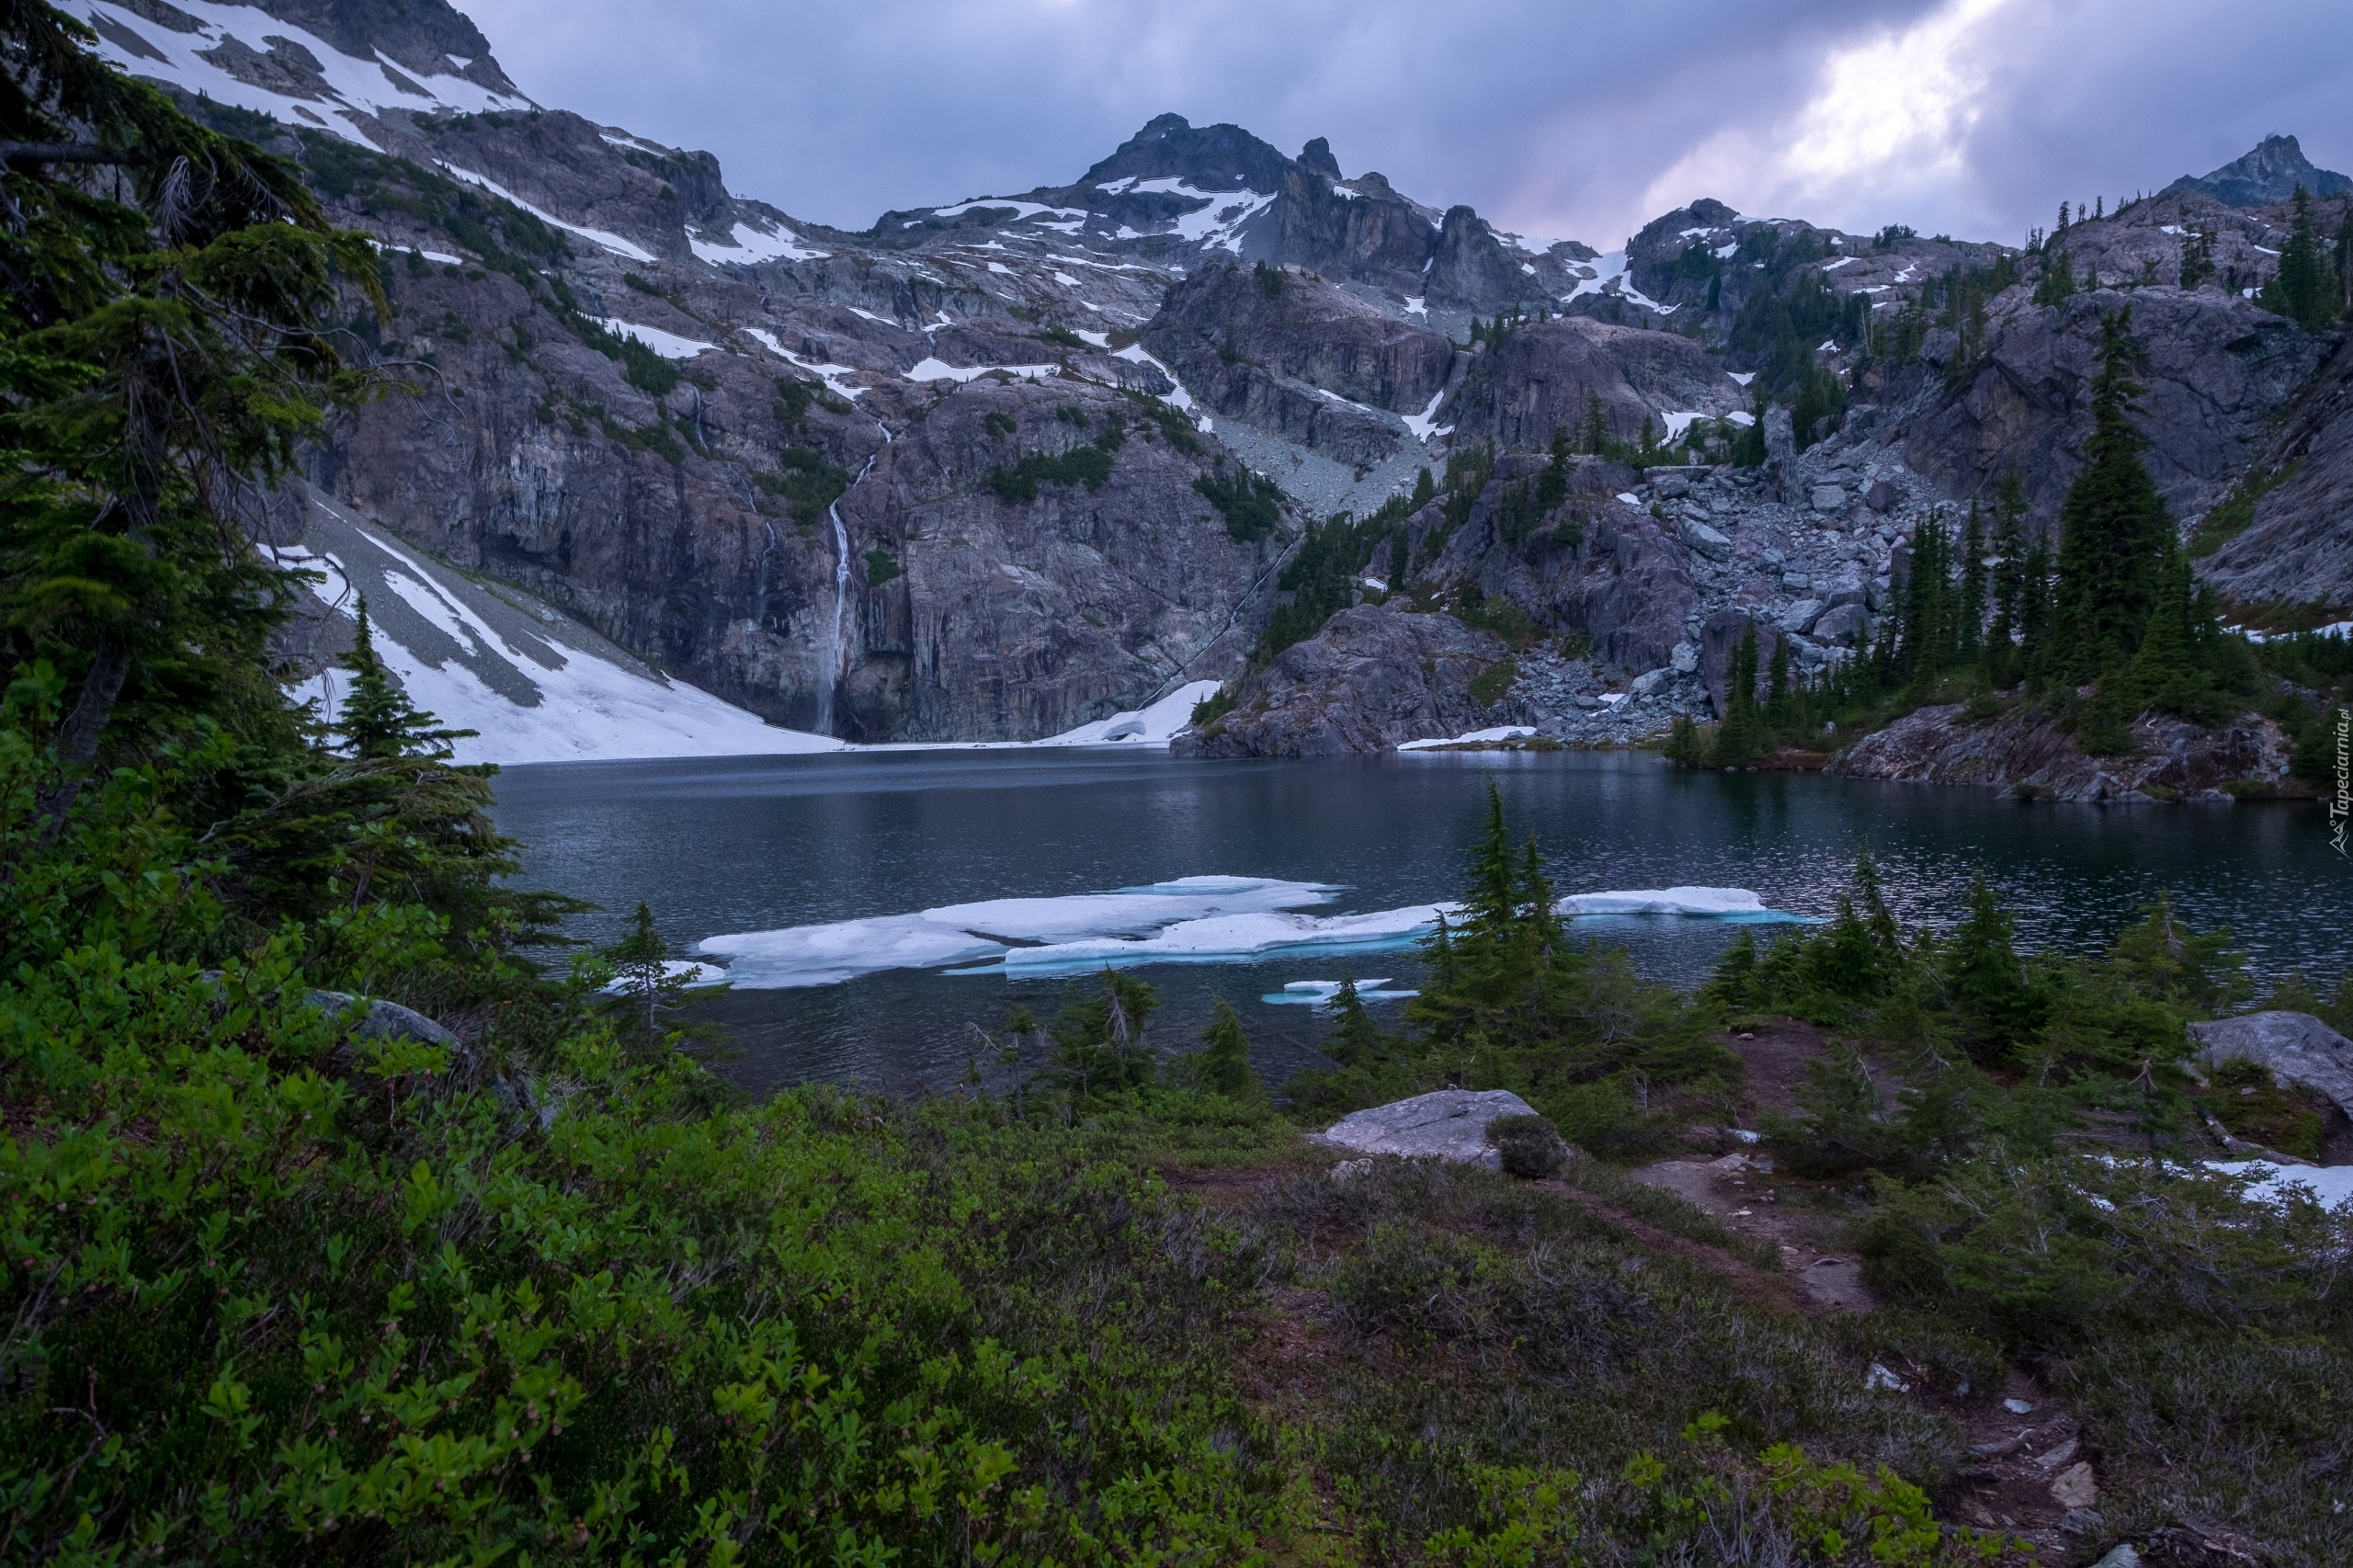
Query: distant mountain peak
[1209, 157]
[2270, 174]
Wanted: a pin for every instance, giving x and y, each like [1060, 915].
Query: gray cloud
[1975, 116]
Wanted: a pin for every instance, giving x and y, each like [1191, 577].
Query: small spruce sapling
[1224, 1065]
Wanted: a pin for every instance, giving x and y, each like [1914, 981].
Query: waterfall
[836, 663]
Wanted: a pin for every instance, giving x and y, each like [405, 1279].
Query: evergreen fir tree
[2304, 290]
[1355, 1039]
[1777, 686]
[2115, 533]
[1597, 439]
[1741, 738]
[2008, 579]
[2058, 281]
[2171, 673]
[646, 991]
[2038, 612]
[1981, 974]
[1970, 610]
[378, 721]
[1223, 1067]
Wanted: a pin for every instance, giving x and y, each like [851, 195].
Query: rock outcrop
[2295, 1047]
[1374, 676]
[2297, 548]
[2024, 750]
[2216, 370]
[1549, 375]
[1294, 354]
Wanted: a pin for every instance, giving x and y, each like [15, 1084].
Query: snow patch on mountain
[349, 86]
[537, 687]
[668, 345]
[747, 246]
[601, 237]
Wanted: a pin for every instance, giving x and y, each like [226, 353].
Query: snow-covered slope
[243, 56]
[538, 686]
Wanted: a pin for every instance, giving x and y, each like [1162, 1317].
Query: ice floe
[1321, 992]
[1194, 920]
[989, 929]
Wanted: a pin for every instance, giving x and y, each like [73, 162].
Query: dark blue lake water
[757, 844]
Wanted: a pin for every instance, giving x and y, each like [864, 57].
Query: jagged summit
[2271, 172]
[1210, 157]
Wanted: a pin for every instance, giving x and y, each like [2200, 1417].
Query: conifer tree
[2305, 289]
[1740, 737]
[2115, 533]
[2171, 673]
[1776, 685]
[1225, 1062]
[1970, 610]
[378, 721]
[2037, 611]
[1981, 971]
[2009, 578]
[1355, 1039]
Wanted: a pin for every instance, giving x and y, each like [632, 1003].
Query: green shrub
[1529, 1145]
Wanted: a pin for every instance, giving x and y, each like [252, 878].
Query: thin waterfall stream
[837, 632]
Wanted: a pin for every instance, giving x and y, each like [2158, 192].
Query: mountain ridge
[843, 479]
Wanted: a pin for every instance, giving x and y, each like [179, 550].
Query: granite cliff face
[999, 468]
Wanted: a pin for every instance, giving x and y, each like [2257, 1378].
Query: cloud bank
[1970, 117]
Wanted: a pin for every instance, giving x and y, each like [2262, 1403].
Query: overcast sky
[1572, 119]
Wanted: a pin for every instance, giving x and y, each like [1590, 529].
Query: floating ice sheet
[1319, 993]
[972, 933]
[1191, 920]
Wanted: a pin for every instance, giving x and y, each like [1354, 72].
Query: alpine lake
[757, 844]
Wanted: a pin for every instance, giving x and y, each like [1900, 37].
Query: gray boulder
[1829, 497]
[386, 1020]
[1840, 623]
[1449, 1124]
[2298, 1048]
[1708, 541]
[1801, 615]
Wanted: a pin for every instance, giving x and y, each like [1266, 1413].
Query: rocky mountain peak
[1210, 157]
[2270, 174]
[1317, 156]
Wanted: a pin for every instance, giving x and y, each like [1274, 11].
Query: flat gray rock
[2296, 1047]
[1448, 1124]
